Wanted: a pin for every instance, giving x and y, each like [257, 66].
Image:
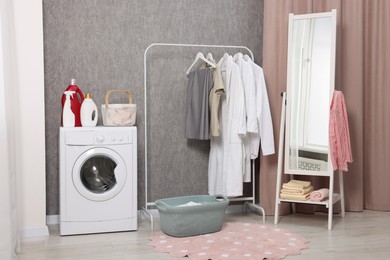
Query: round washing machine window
[99, 174]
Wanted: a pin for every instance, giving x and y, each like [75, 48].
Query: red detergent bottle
[75, 102]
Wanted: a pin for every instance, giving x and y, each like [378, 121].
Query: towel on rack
[319, 195]
[297, 184]
[339, 140]
[297, 190]
[294, 196]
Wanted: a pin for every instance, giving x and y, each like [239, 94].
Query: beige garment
[215, 95]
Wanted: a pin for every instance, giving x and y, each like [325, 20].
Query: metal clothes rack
[249, 201]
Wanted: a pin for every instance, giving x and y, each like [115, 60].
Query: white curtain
[9, 224]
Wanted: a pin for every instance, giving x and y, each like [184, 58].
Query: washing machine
[98, 179]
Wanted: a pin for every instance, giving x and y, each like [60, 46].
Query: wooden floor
[363, 235]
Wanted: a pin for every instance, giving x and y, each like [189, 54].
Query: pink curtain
[362, 73]
[376, 91]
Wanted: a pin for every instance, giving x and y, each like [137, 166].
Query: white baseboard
[52, 219]
[34, 232]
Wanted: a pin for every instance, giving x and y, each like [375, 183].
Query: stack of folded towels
[296, 190]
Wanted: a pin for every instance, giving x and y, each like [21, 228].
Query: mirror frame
[290, 86]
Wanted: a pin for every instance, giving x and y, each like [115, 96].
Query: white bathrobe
[263, 112]
[252, 125]
[226, 151]
[248, 82]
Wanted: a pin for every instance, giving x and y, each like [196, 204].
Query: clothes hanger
[223, 59]
[209, 56]
[198, 57]
[237, 56]
[247, 58]
[225, 56]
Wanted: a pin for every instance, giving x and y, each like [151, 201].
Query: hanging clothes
[214, 100]
[339, 140]
[265, 136]
[248, 82]
[197, 114]
[226, 151]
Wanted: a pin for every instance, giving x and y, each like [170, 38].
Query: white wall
[7, 236]
[30, 121]
[9, 224]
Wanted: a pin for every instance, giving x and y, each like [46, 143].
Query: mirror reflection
[311, 60]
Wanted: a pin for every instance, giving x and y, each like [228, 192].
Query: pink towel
[339, 140]
[319, 195]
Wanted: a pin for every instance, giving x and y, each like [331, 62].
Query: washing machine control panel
[112, 138]
[99, 139]
[100, 136]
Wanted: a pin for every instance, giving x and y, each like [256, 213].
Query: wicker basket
[181, 221]
[119, 114]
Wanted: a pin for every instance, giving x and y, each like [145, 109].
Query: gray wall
[101, 44]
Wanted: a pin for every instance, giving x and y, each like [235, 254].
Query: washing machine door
[99, 174]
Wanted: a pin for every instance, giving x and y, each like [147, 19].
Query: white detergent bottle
[68, 118]
[88, 111]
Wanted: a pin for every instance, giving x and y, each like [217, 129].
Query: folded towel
[319, 195]
[297, 184]
[294, 196]
[297, 190]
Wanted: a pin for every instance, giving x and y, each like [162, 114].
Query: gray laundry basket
[182, 221]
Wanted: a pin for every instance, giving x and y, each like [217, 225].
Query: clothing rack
[249, 201]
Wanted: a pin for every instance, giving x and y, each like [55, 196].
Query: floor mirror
[304, 137]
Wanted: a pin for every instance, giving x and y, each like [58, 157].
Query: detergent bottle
[75, 102]
[68, 118]
[88, 111]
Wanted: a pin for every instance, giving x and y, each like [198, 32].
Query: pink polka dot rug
[236, 240]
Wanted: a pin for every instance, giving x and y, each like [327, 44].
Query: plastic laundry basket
[181, 221]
